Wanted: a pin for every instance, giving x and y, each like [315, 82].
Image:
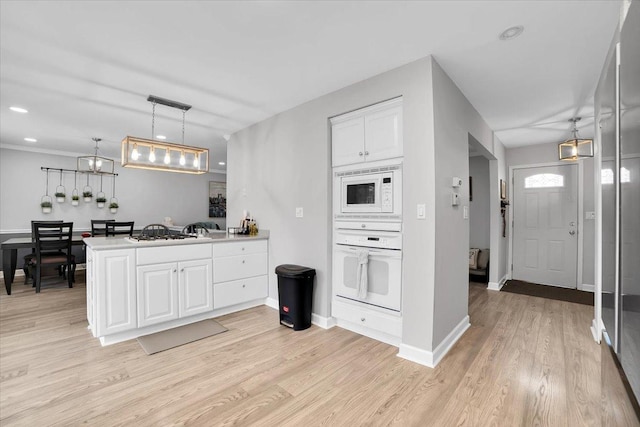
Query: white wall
[479, 212]
[285, 162]
[144, 196]
[454, 118]
[548, 153]
[499, 243]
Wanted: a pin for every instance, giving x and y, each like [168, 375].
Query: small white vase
[46, 210]
[100, 205]
[60, 199]
[74, 203]
[87, 199]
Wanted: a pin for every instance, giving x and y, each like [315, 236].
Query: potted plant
[101, 200]
[45, 204]
[60, 197]
[87, 195]
[75, 197]
[113, 207]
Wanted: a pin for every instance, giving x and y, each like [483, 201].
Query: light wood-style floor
[524, 361]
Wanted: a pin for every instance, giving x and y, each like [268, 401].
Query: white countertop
[117, 242]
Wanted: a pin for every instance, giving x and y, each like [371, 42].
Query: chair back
[52, 237]
[155, 230]
[99, 226]
[33, 230]
[119, 227]
[194, 228]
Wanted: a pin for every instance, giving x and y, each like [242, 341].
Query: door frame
[580, 215]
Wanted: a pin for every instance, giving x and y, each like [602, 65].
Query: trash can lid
[294, 271]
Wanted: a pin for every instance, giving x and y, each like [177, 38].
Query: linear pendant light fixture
[575, 148]
[143, 153]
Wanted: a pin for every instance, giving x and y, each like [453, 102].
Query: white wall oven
[371, 193]
[367, 267]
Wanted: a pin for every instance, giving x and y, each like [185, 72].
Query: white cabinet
[157, 293]
[239, 272]
[111, 286]
[173, 290]
[369, 134]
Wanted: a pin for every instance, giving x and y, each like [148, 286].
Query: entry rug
[550, 292]
[181, 335]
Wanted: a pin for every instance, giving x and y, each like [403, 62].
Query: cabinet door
[195, 285]
[115, 291]
[347, 142]
[383, 134]
[157, 293]
[90, 290]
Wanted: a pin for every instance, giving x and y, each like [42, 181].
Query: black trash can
[295, 294]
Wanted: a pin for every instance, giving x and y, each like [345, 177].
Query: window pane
[544, 180]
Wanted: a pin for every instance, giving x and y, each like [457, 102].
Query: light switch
[421, 212]
[465, 212]
[590, 215]
[455, 199]
[299, 213]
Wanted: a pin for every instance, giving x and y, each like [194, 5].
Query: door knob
[572, 232]
[360, 153]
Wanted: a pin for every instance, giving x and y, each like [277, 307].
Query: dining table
[10, 255]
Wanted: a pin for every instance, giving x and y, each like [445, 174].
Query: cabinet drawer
[368, 318]
[239, 267]
[160, 254]
[239, 291]
[239, 248]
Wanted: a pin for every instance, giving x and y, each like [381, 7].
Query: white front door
[545, 225]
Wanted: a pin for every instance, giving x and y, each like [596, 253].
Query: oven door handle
[387, 253]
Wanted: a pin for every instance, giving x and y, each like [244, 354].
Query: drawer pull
[243, 248]
[175, 270]
[243, 261]
[182, 270]
[362, 319]
[244, 286]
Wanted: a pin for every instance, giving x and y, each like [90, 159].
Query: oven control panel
[365, 239]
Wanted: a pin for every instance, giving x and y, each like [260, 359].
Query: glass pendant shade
[574, 149]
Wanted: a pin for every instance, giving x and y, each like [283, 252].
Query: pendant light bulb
[182, 159]
[167, 158]
[134, 153]
[98, 164]
[196, 160]
[152, 155]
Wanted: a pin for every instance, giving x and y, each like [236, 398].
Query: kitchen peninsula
[137, 288]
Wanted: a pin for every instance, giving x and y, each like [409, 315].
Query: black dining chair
[99, 227]
[53, 249]
[194, 228]
[115, 228]
[28, 259]
[155, 230]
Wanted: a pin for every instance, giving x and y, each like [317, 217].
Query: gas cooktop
[155, 238]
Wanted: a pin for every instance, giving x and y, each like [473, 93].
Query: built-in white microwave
[374, 192]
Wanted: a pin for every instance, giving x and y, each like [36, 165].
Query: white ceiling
[84, 69]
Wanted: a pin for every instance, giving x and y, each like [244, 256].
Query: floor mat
[551, 292]
[181, 335]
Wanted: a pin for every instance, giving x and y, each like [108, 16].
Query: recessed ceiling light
[31, 140]
[19, 109]
[221, 163]
[226, 137]
[511, 33]
[161, 137]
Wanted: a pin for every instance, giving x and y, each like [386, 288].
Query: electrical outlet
[299, 212]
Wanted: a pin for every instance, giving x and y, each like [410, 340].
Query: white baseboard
[587, 287]
[323, 322]
[431, 359]
[272, 302]
[496, 286]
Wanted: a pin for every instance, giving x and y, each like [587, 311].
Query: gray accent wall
[479, 212]
[144, 196]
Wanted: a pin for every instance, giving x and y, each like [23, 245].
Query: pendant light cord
[153, 122]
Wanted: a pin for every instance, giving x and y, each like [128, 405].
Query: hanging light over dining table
[142, 153]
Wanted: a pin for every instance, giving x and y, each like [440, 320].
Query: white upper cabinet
[368, 134]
